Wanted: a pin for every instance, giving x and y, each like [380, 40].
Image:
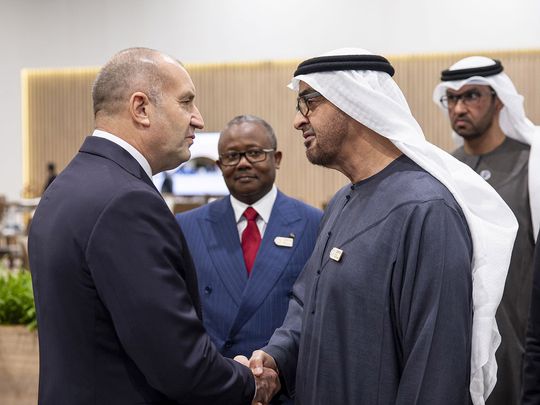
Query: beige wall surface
[60, 33]
[57, 111]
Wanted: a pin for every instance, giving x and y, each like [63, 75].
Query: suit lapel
[271, 259]
[109, 150]
[224, 248]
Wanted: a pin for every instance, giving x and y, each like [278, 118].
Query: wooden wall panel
[57, 110]
[418, 75]
[260, 89]
[57, 114]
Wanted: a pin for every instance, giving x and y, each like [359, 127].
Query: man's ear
[218, 163]
[139, 108]
[277, 158]
[498, 104]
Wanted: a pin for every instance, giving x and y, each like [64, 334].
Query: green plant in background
[17, 299]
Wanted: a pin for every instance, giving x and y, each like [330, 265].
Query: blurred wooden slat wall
[57, 110]
[57, 114]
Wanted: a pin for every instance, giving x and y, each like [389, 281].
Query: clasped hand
[265, 371]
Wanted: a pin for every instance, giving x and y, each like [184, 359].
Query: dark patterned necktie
[251, 238]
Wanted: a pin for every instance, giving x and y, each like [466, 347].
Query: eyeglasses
[470, 98]
[252, 156]
[303, 102]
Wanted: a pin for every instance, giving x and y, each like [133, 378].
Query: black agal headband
[344, 62]
[460, 74]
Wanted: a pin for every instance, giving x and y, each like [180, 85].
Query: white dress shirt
[128, 148]
[263, 207]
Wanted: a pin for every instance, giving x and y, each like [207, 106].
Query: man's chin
[467, 135]
[315, 158]
[184, 156]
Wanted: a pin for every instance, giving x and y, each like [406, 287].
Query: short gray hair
[240, 119]
[130, 70]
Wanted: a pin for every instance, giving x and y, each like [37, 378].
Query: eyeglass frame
[306, 98]
[444, 99]
[245, 155]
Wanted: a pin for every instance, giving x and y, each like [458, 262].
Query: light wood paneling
[57, 110]
[57, 115]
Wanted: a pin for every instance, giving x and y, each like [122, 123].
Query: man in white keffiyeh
[499, 142]
[417, 243]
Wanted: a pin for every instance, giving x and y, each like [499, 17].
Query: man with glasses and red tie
[249, 247]
[486, 113]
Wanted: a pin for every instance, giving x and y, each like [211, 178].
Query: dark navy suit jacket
[116, 293]
[241, 313]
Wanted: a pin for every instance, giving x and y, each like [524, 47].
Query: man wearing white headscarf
[499, 142]
[383, 311]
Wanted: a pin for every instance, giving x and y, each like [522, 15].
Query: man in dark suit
[116, 292]
[245, 299]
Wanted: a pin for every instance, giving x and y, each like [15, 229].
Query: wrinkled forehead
[250, 133]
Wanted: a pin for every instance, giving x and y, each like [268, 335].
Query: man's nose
[460, 106]
[243, 163]
[197, 119]
[299, 120]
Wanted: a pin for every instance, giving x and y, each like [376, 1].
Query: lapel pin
[283, 241]
[335, 254]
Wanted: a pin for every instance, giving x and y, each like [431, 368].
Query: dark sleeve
[284, 343]
[531, 370]
[432, 300]
[283, 346]
[140, 271]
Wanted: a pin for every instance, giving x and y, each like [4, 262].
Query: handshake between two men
[265, 371]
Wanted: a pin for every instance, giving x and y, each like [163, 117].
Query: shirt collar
[263, 206]
[128, 148]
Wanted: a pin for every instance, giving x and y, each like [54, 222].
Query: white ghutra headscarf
[512, 119]
[373, 98]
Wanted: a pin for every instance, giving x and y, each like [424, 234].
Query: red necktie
[251, 238]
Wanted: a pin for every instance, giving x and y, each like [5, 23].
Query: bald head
[130, 70]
